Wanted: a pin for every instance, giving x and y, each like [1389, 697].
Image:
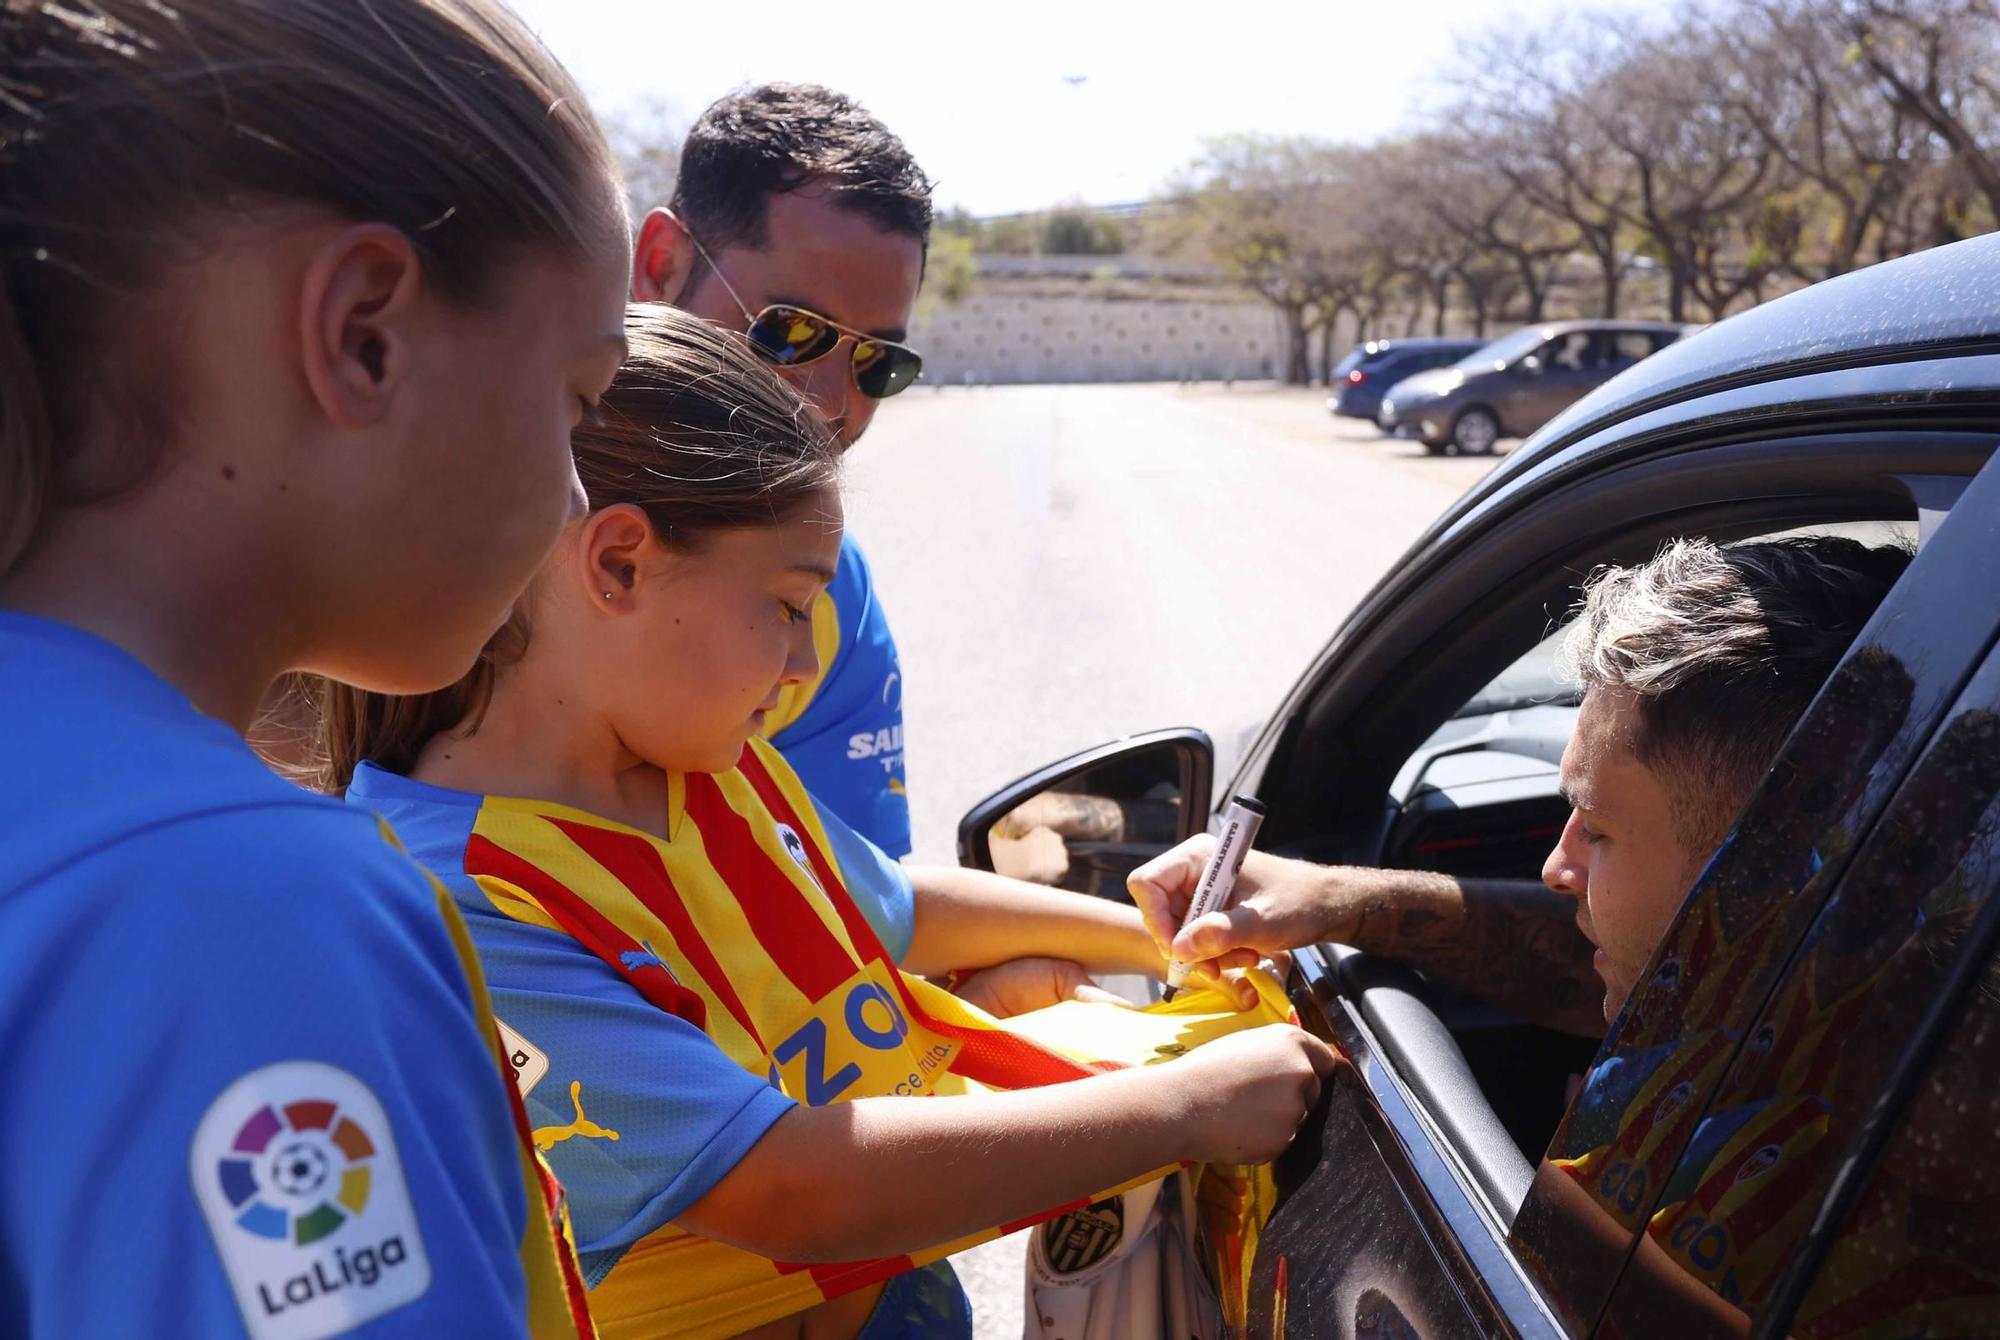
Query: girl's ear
[614, 546]
[357, 300]
[662, 259]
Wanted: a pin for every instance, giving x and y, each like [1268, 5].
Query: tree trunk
[1531, 285]
[1296, 370]
[1441, 294]
[1612, 275]
[1326, 346]
[1677, 286]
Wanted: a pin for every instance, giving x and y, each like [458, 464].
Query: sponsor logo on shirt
[885, 746]
[296, 1170]
[548, 1137]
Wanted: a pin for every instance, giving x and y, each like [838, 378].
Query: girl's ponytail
[27, 449]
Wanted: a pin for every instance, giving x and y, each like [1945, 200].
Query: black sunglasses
[791, 337]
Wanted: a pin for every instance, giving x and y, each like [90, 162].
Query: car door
[1551, 379]
[1838, 1180]
[1397, 1207]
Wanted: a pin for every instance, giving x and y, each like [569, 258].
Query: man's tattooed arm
[1511, 942]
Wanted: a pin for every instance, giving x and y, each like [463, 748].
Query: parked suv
[1519, 382]
[1789, 1130]
[1369, 370]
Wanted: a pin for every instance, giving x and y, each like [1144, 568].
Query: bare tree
[1267, 209]
[1493, 222]
[1935, 60]
[1695, 164]
[646, 137]
[1526, 119]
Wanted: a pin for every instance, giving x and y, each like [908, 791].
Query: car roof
[1553, 328]
[1936, 303]
[1425, 342]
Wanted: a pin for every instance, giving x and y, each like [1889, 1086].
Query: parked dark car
[1369, 370]
[1815, 1046]
[1514, 385]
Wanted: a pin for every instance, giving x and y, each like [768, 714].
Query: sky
[1088, 101]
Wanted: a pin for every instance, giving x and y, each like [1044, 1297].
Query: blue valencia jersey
[637, 1111]
[253, 1091]
[843, 732]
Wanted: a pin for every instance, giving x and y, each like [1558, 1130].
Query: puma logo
[548, 1137]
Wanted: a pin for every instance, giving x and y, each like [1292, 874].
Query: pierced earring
[607, 595]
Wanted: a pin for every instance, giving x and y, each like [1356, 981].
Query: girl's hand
[1245, 1094]
[1025, 984]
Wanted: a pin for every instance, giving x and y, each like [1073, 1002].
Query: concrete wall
[999, 337]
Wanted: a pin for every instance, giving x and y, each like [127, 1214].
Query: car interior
[1452, 765]
[1479, 799]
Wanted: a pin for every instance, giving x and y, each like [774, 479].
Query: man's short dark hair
[1723, 649]
[777, 138]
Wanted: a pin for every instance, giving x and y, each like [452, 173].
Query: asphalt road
[1063, 565]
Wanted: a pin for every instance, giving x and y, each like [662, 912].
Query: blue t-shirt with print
[846, 744]
[250, 1091]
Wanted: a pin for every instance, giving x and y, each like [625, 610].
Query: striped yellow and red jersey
[670, 995]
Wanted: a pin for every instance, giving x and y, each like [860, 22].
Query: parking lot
[1066, 564]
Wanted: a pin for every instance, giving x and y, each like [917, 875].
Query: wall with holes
[994, 338]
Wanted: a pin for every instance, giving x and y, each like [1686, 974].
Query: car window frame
[1734, 466]
[1393, 664]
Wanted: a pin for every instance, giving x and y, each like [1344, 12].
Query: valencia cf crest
[796, 845]
[1080, 1239]
[1759, 1163]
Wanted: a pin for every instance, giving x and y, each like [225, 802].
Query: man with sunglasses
[800, 220]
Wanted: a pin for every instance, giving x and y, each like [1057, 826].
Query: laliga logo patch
[297, 1174]
[526, 1062]
[796, 845]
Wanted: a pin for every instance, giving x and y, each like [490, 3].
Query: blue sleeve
[252, 1092]
[683, 1112]
[879, 884]
[847, 746]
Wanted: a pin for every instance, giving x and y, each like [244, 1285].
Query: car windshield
[1503, 350]
[1349, 363]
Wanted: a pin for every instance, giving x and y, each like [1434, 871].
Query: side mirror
[1087, 822]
